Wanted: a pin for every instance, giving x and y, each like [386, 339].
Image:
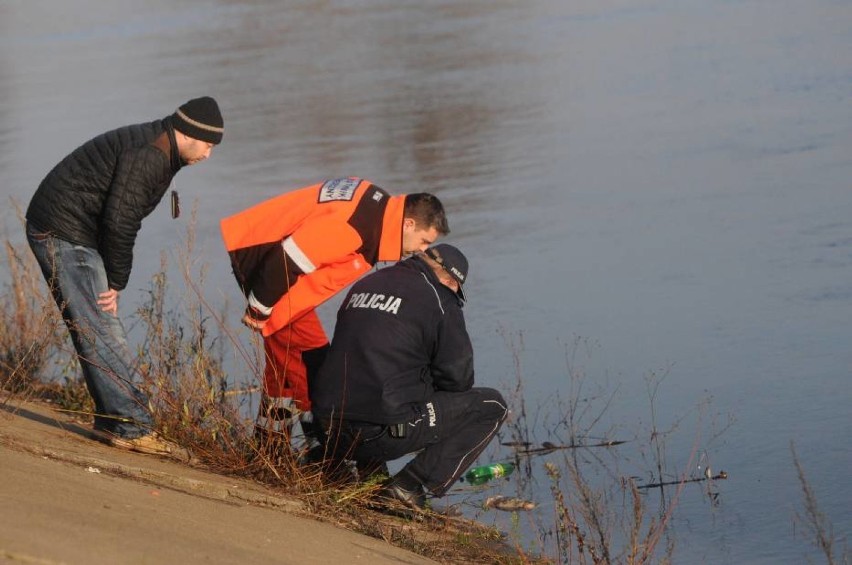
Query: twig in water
[547, 447]
[722, 475]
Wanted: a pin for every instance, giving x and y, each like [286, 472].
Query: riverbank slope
[65, 498]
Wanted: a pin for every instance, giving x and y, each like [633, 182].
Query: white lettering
[433, 418]
[375, 301]
[394, 305]
[352, 300]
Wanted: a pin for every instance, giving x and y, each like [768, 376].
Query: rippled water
[667, 180]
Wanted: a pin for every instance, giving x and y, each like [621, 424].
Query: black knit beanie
[200, 118]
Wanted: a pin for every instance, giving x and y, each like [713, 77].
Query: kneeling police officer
[399, 377]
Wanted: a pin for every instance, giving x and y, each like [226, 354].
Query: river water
[664, 182]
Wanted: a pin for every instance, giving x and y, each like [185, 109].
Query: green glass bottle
[484, 473]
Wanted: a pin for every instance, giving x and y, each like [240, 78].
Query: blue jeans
[76, 275]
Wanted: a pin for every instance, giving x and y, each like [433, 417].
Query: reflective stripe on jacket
[334, 232]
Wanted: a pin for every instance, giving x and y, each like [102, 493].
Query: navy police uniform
[399, 378]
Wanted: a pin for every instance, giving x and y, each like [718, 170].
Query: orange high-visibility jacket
[334, 231]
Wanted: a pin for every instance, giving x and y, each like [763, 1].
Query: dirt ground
[65, 498]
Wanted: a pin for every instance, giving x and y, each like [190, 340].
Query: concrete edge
[186, 485]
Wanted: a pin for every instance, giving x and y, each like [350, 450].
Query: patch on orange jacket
[338, 189]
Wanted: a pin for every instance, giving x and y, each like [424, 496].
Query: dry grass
[599, 517]
[195, 403]
[31, 331]
[22, 347]
[818, 528]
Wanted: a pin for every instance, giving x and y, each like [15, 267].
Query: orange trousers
[286, 371]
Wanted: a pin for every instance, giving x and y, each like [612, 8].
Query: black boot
[335, 470]
[314, 443]
[404, 488]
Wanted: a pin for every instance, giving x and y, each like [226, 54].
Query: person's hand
[108, 301]
[252, 322]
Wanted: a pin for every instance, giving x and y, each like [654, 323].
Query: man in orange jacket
[293, 252]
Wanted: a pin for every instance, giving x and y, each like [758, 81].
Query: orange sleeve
[315, 288]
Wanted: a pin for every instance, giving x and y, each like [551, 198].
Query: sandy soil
[65, 498]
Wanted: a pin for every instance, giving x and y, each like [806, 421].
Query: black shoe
[395, 492]
[313, 456]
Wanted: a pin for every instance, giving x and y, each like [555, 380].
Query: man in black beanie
[82, 224]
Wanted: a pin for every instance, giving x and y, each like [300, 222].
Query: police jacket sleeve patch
[338, 189]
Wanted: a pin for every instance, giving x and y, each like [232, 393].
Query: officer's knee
[493, 404]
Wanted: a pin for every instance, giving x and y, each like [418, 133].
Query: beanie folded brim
[185, 125]
[200, 119]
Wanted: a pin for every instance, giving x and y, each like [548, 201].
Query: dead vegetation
[182, 366]
[186, 345]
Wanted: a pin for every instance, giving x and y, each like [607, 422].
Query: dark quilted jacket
[98, 195]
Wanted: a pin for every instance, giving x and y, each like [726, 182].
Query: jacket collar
[174, 156]
[390, 244]
[418, 264]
